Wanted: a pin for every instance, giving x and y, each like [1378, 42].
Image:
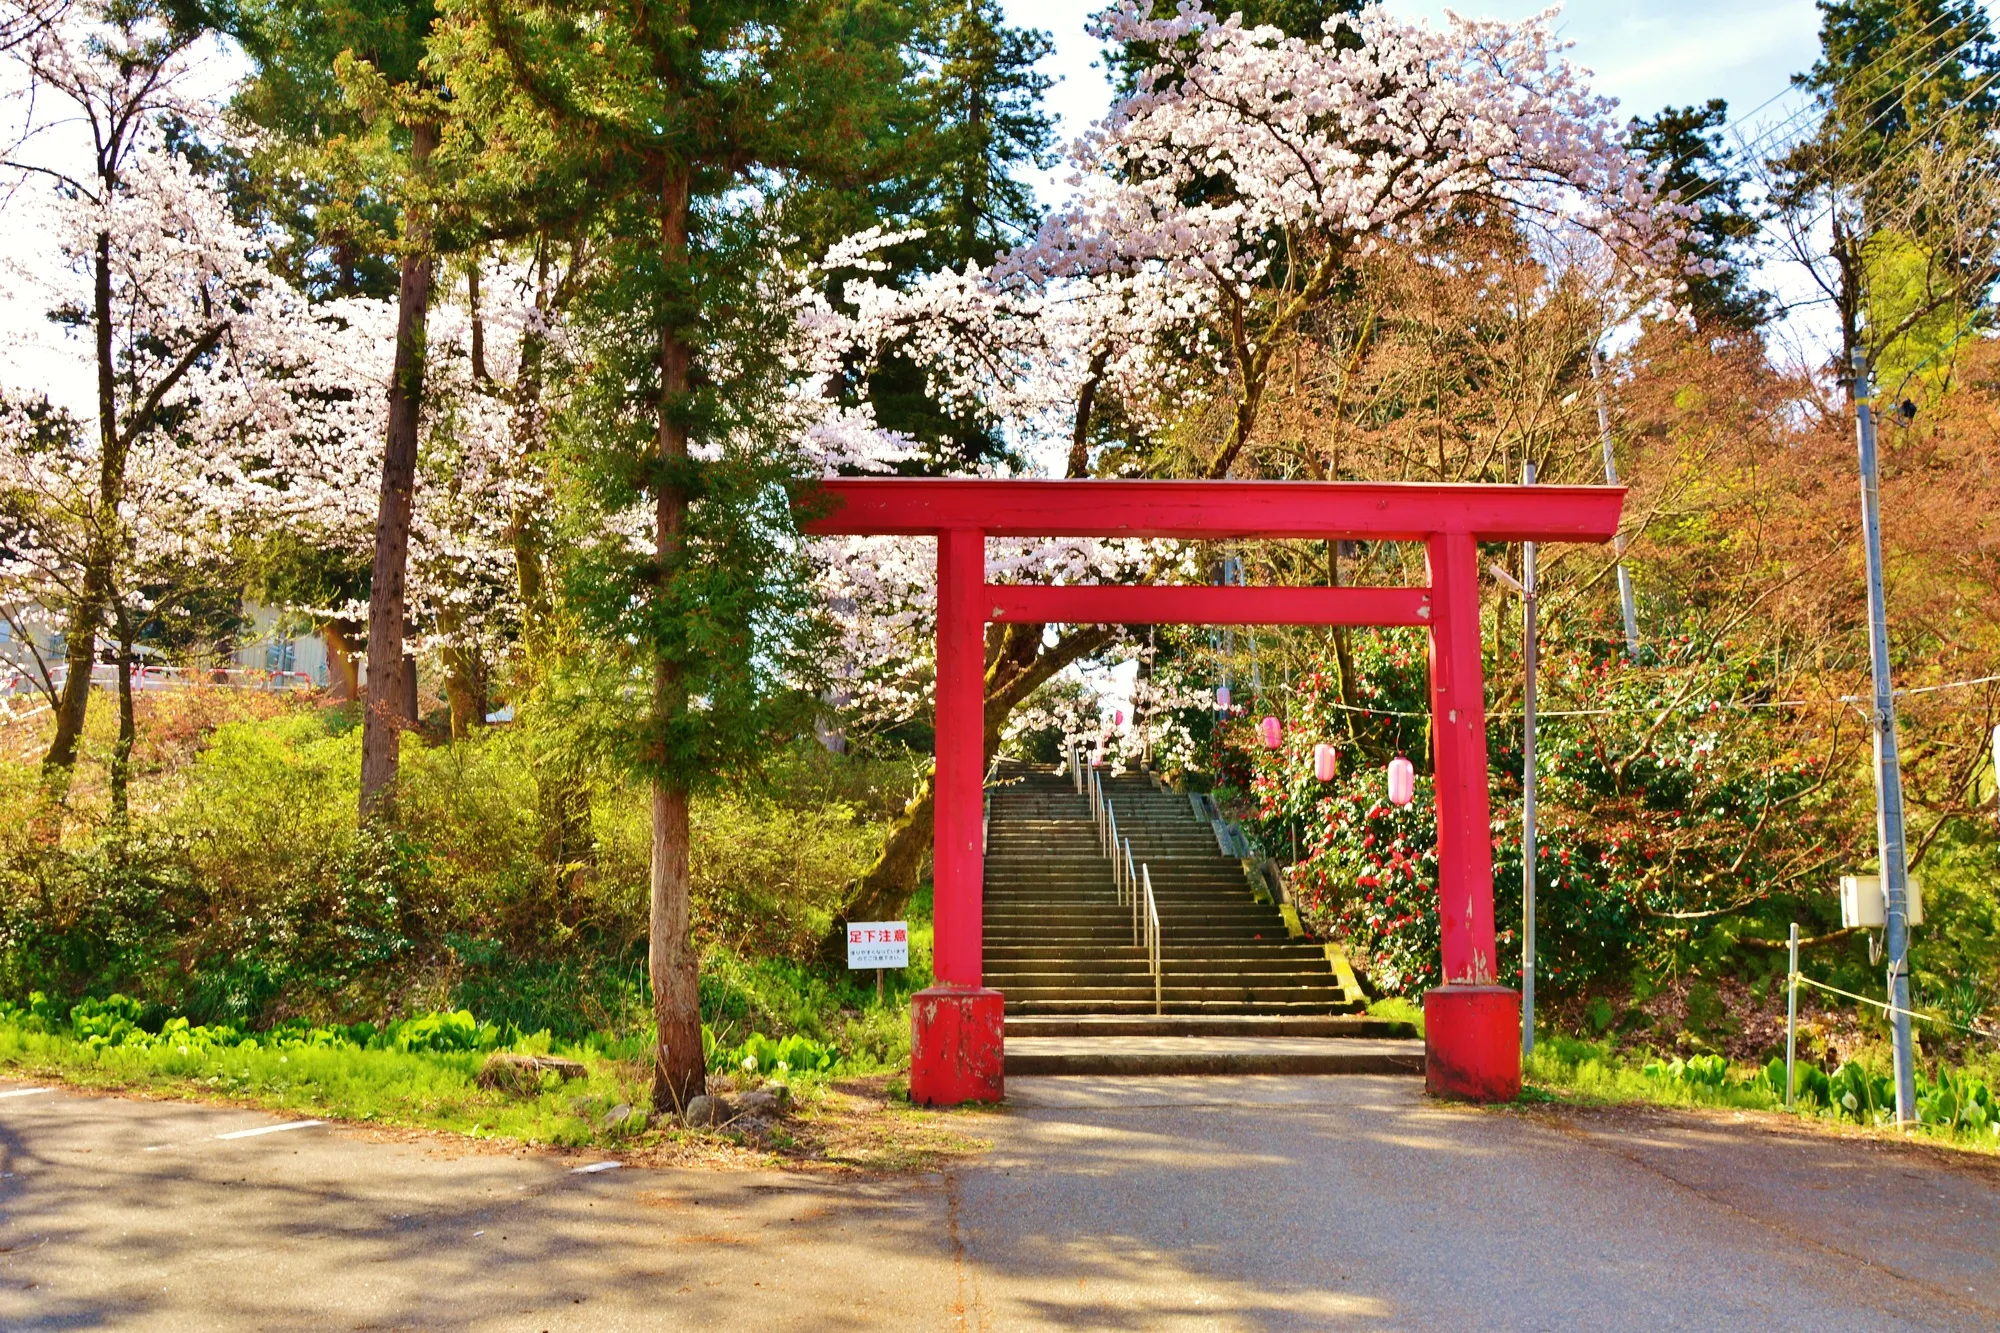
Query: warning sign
[878, 944]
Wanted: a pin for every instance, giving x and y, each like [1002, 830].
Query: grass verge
[1955, 1108]
[837, 1120]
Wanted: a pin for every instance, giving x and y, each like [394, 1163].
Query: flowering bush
[1672, 820]
[1370, 880]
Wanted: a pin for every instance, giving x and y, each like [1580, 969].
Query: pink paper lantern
[1323, 766]
[1117, 717]
[1274, 734]
[1222, 698]
[1402, 781]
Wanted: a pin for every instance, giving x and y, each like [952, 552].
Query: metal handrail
[1152, 936]
[1109, 844]
[1143, 877]
[1131, 877]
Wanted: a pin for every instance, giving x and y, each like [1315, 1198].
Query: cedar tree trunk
[679, 1067]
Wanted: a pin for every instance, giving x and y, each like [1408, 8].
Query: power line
[1912, 142]
[1747, 148]
[1713, 706]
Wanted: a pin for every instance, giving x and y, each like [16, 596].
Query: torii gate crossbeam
[1472, 1024]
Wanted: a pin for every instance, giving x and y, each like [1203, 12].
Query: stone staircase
[1060, 946]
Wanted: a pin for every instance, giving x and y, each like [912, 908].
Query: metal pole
[1888, 766]
[1792, 1021]
[1611, 479]
[1528, 655]
[1228, 634]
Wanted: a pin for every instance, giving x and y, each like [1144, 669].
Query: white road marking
[271, 1129]
[595, 1167]
[26, 1092]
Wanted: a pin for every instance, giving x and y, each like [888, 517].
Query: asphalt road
[1252, 1203]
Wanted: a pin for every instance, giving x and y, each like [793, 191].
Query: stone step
[1193, 918]
[1171, 954]
[1168, 1006]
[1216, 1025]
[1059, 944]
[1053, 889]
[1167, 1056]
[1207, 938]
[1138, 984]
[1203, 965]
[1026, 910]
[1117, 989]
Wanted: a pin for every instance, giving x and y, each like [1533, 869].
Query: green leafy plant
[1709, 1071]
[760, 1054]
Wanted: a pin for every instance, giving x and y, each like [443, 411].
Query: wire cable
[1888, 1008]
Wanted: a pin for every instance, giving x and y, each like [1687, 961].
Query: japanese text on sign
[878, 944]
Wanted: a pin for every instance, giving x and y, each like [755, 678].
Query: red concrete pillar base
[956, 1046]
[1472, 1043]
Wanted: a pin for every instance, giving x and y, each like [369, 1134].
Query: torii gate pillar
[956, 1026]
[1472, 1024]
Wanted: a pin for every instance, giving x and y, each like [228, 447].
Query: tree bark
[100, 548]
[1343, 653]
[343, 680]
[562, 783]
[679, 1066]
[464, 677]
[383, 722]
[121, 753]
[1086, 400]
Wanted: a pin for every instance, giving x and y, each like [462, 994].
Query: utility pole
[1888, 767]
[1611, 479]
[1529, 649]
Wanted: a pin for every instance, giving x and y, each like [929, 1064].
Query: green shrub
[248, 896]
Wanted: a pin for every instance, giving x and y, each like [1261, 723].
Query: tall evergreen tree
[1893, 70]
[692, 123]
[1686, 146]
[975, 106]
[983, 96]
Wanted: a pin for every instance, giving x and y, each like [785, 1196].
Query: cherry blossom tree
[1225, 198]
[107, 78]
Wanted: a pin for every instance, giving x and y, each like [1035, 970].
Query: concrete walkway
[1251, 1203]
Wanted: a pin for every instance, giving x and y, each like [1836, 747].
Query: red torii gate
[1472, 1024]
